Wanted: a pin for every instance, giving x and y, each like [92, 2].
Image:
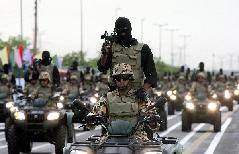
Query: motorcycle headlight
[212, 106]
[227, 94]
[236, 92]
[19, 115]
[173, 97]
[169, 93]
[153, 152]
[9, 105]
[175, 92]
[188, 97]
[96, 95]
[78, 152]
[59, 105]
[190, 106]
[53, 116]
[214, 96]
[93, 100]
[62, 98]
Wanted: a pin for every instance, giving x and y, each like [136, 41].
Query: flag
[27, 56]
[12, 58]
[18, 59]
[4, 55]
[54, 60]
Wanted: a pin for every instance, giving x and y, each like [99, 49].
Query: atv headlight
[214, 96]
[78, 152]
[153, 152]
[96, 95]
[175, 92]
[236, 92]
[9, 105]
[158, 93]
[53, 116]
[19, 115]
[62, 98]
[212, 106]
[93, 100]
[173, 97]
[188, 97]
[13, 109]
[227, 94]
[169, 93]
[190, 106]
[59, 105]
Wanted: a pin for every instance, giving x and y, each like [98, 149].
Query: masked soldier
[44, 90]
[122, 104]
[125, 48]
[45, 65]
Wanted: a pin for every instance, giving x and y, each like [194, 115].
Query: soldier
[44, 90]
[32, 85]
[88, 81]
[200, 88]
[102, 86]
[125, 48]
[71, 89]
[231, 83]
[122, 104]
[5, 89]
[45, 65]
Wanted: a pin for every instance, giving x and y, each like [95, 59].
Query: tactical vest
[48, 68]
[200, 91]
[73, 91]
[122, 107]
[29, 88]
[76, 73]
[132, 56]
[44, 92]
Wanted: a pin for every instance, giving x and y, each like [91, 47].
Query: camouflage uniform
[122, 107]
[200, 89]
[4, 87]
[71, 90]
[29, 88]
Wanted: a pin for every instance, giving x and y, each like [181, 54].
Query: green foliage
[162, 67]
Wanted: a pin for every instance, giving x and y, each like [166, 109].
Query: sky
[212, 27]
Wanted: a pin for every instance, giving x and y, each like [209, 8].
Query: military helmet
[181, 77]
[44, 75]
[202, 74]
[4, 76]
[122, 68]
[73, 77]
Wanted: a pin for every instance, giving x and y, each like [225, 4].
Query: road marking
[218, 137]
[3, 139]
[170, 129]
[172, 116]
[187, 137]
[3, 146]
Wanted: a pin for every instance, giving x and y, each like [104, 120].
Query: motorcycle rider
[71, 88]
[231, 83]
[122, 104]
[125, 48]
[88, 80]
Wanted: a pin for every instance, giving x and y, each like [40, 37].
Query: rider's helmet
[44, 76]
[73, 77]
[201, 75]
[123, 69]
[4, 78]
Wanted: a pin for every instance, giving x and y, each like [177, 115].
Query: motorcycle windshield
[120, 127]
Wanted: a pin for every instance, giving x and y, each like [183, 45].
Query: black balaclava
[182, 69]
[123, 25]
[201, 67]
[221, 71]
[46, 58]
[87, 69]
[74, 65]
[6, 68]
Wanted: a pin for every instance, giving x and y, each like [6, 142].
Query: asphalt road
[200, 140]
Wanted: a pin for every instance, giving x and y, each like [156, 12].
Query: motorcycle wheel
[217, 122]
[186, 124]
[170, 109]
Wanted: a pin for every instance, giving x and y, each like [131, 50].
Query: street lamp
[160, 39]
[184, 46]
[172, 44]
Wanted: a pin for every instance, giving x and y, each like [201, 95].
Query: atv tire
[186, 124]
[170, 109]
[217, 122]
[25, 145]
[13, 147]
[7, 124]
[163, 119]
[61, 139]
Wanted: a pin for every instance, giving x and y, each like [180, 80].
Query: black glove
[141, 94]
